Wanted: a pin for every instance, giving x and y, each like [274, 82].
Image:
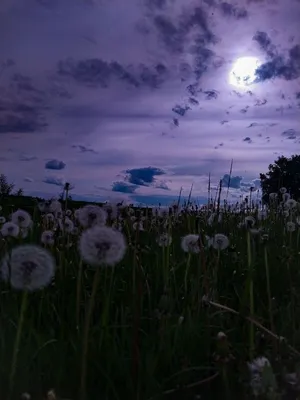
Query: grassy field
[138, 309]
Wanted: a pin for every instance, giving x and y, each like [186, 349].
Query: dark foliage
[285, 172]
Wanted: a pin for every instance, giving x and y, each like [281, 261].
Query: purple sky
[92, 92]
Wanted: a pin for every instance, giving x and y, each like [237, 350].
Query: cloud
[278, 66]
[25, 157]
[10, 122]
[232, 182]
[247, 139]
[265, 43]
[95, 72]
[123, 187]
[55, 164]
[230, 10]
[290, 134]
[28, 179]
[143, 176]
[84, 149]
[53, 180]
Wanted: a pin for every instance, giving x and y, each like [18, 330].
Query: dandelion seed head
[91, 215]
[190, 243]
[10, 229]
[21, 218]
[47, 238]
[220, 241]
[29, 267]
[101, 245]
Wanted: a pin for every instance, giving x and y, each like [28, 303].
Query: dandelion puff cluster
[91, 215]
[21, 218]
[10, 229]
[102, 245]
[28, 267]
[190, 243]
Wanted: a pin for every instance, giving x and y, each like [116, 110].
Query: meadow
[116, 302]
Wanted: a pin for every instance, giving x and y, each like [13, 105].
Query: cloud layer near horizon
[132, 99]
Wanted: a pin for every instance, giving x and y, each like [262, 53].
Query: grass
[164, 324]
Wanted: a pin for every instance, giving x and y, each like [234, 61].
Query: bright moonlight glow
[243, 71]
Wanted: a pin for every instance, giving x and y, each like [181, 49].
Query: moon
[243, 71]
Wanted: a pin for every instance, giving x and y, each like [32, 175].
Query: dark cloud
[230, 10]
[143, 176]
[180, 110]
[27, 179]
[24, 157]
[95, 72]
[84, 149]
[247, 139]
[290, 134]
[233, 182]
[55, 164]
[157, 4]
[123, 187]
[265, 43]
[52, 180]
[211, 94]
[278, 66]
[20, 123]
[22, 106]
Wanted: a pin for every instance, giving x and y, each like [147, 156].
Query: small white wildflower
[220, 241]
[283, 190]
[101, 245]
[164, 240]
[190, 243]
[10, 229]
[29, 267]
[2, 220]
[91, 215]
[290, 226]
[21, 218]
[47, 238]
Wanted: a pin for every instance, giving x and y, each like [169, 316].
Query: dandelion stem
[86, 335]
[17, 343]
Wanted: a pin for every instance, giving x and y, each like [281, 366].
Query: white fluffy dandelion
[91, 215]
[220, 241]
[190, 243]
[67, 225]
[28, 267]
[102, 245]
[290, 204]
[21, 218]
[47, 238]
[10, 229]
[273, 196]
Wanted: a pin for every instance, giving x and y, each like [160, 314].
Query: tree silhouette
[6, 188]
[285, 172]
